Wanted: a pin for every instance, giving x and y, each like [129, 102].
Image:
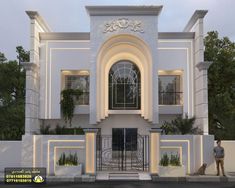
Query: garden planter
[172, 171]
[68, 170]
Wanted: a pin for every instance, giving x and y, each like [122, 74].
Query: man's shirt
[219, 152]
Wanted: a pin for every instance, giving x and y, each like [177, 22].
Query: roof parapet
[35, 15]
[196, 15]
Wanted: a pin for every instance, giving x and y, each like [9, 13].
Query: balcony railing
[170, 98]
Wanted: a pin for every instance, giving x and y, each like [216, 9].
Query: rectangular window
[170, 90]
[79, 82]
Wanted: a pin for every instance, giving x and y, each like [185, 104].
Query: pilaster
[32, 104]
[90, 135]
[31, 98]
[154, 150]
[201, 95]
[200, 67]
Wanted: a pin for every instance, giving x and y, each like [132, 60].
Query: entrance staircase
[124, 176]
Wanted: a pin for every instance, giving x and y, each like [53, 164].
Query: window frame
[177, 95]
[85, 94]
[115, 82]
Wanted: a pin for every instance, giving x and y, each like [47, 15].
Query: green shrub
[68, 160]
[164, 160]
[181, 125]
[79, 131]
[45, 129]
[67, 103]
[175, 160]
[61, 130]
[168, 128]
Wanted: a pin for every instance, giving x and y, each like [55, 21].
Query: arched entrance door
[124, 86]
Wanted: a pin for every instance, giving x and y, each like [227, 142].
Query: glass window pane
[119, 93]
[79, 82]
[124, 84]
[169, 90]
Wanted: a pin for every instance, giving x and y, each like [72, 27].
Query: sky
[71, 16]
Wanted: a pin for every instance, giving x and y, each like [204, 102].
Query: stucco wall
[10, 154]
[176, 54]
[229, 160]
[98, 37]
[194, 150]
[106, 125]
[45, 150]
[55, 57]
[74, 55]
[113, 121]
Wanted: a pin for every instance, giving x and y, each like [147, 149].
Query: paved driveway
[127, 184]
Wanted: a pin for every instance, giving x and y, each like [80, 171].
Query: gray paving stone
[78, 179]
[231, 179]
[60, 179]
[203, 179]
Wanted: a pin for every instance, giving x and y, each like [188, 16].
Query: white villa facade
[166, 70]
[132, 77]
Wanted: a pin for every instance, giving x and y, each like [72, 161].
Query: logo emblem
[38, 179]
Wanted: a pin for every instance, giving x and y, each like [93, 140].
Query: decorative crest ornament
[123, 23]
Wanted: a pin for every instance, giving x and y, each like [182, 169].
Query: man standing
[219, 157]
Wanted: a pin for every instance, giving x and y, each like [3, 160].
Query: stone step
[123, 176]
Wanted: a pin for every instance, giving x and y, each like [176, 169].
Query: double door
[124, 150]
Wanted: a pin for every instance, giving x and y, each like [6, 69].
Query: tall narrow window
[124, 86]
[79, 82]
[169, 90]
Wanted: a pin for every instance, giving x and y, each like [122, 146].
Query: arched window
[124, 86]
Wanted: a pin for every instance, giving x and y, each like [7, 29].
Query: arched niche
[117, 48]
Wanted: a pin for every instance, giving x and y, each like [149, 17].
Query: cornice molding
[123, 10]
[197, 15]
[176, 35]
[86, 35]
[35, 15]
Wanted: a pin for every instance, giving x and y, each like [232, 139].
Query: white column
[196, 25]
[38, 26]
[201, 95]
[31, 98]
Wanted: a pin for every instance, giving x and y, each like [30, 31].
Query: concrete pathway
[142, 177]
[128, 184]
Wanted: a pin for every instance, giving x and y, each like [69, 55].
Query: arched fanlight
[124, 86]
